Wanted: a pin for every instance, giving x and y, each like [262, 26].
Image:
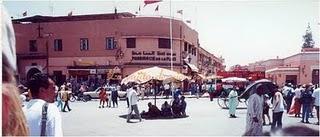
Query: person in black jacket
[306, 101]
[114, 97]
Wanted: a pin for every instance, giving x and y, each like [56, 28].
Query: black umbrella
[268, 86]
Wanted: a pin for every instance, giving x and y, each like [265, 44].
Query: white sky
[241, 31]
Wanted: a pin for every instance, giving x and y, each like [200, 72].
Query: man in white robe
[233, 102]
[254, 113]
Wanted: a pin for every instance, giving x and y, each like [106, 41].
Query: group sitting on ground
[167, 111]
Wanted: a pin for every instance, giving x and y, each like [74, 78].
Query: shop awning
[193, 68]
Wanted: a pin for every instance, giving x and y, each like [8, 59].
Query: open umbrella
[154, 73]
[233, 80]
[267, 85]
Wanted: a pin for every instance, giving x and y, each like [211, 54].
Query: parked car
[95, 94]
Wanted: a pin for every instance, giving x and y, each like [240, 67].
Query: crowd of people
[288, 99]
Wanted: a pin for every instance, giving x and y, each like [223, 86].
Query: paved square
[205, 119]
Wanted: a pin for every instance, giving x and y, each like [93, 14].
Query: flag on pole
[180, 12]
[188, 21]
[70, 13]
[157, 8]
[24, 14]
[146, 2]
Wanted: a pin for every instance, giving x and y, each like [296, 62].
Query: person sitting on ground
[166, 109]
[176, 109]
[183, 106]
[153, 112]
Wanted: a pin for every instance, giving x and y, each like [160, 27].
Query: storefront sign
[102, 71]
[153, 56]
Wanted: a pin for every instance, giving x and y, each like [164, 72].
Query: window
[185, 46]
[110, 43]
[84, 44]
[58, 45]
[164, 43]
[33, 46]
[131, 42]
[189, 49]
[195, 51]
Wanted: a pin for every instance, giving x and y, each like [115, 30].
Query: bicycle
[73, 97]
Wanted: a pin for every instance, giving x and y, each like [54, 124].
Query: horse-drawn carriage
[243, 95]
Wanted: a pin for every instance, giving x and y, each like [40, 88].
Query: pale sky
[241, 31]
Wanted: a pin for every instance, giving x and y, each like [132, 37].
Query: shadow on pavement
[237, 108]
[136, 117]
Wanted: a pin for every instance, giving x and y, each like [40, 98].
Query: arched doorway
[31, 72]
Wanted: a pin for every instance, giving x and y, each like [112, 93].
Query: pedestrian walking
[65, 98]
[315, 95]
[108, 99]
[266, 107]
[306, 101]
[59, 100]
[143, 91]
[211, 91]
[197, 90]
[114, 97]
[133, 104]
[296, 102]
[42, 114]
[277, 111]
[233, 102]
[167, 90]
[102, 97]
[127, 97]
[288, 94]
[254, 113]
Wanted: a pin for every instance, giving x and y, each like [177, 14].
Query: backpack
[44, 119]
[65, 96]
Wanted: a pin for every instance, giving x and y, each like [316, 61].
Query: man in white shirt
[42, 91]
[278, 109]
[315, 95]
[133, 103]
[167, 90]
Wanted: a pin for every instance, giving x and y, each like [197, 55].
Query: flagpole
[171, 46]
[171, 43]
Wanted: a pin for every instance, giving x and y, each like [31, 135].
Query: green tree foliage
[308, 41]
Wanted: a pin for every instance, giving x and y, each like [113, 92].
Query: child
[266, 107]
